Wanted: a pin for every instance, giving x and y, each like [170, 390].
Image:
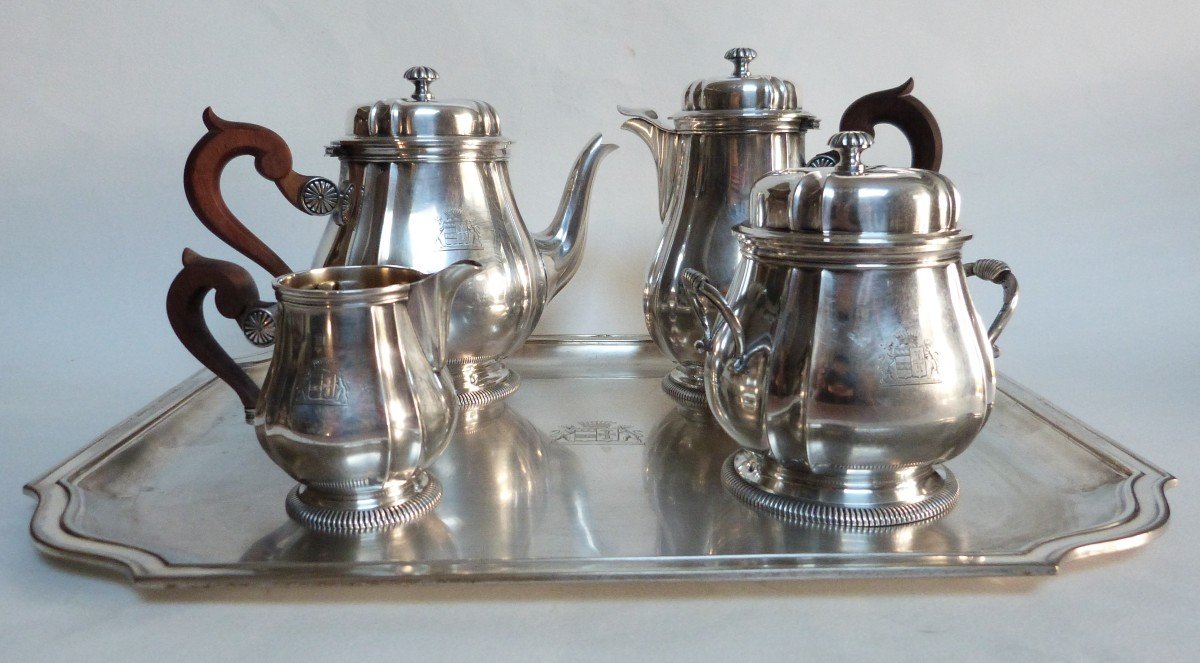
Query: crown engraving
[910, 359]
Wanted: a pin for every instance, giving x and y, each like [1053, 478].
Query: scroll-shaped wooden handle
[202, 181]
[236, 298]
[899, 108]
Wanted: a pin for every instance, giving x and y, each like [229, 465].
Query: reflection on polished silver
[180, 495]
[847, 358]
[430, 186]
[732, 131]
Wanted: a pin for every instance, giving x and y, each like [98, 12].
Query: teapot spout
[561, 245]
[429, 307]
[664, 146]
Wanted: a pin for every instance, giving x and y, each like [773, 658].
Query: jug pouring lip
[351, 284]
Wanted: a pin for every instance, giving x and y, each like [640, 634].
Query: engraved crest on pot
[910, 359]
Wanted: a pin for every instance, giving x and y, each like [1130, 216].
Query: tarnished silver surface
[847, 356]
[429, 186]
[732, 131]
[588, 473]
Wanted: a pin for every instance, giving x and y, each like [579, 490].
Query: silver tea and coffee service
[732, 131]
[847, 359]
[424, 183]
[825, 369]
[357, 402]
[831, 333]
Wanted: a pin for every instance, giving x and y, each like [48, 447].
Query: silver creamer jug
[424, 183]
[356, 403]
[848, 360]
[732, 131]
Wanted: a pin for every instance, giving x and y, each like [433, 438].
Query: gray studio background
[1069, 128]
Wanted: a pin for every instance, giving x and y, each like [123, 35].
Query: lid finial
[849, 146]
[421, 77]
[741, 57]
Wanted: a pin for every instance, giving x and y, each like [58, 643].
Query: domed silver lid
[741, 99]
[394, 127]
[853, 199]
[741, 90]
[423, 115]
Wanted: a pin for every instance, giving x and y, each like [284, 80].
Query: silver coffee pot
[732, 131]
[848, 360]
[424, 183]
[357, 402]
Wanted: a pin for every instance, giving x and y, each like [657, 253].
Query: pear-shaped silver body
[847, 359]
[424, 183]
[733, 130]
[357, 401]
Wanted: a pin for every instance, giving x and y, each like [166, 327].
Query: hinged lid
[421, 119]
[854, 199]
[742, 96]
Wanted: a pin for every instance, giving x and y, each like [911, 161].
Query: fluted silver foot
[931, 496]
[386, 509]
[483, 383]
[685, 385]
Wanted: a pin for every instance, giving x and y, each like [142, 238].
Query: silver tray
[587, 473]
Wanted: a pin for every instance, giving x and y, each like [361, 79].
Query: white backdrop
[1069, 128]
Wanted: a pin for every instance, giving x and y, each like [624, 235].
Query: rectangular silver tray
[587, 473]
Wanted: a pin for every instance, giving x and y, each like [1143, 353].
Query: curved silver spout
[561, 244]
[664, 146]
[429, 307]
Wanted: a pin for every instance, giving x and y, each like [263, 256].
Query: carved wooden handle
[899, 108]
[236, 298]
[202, 181]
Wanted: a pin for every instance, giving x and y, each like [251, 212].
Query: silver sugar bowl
[357, 402]
[424, 183]
[848, 360]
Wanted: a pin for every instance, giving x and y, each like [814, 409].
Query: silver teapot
[732, 131]
[424, 183]
[357, 402]
[848, 360]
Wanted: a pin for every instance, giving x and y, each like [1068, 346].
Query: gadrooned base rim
[337, 520]
[693, 399]
[489, 394]
[794, 509]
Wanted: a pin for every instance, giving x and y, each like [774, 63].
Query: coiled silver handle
[701, 293]
[998, 272]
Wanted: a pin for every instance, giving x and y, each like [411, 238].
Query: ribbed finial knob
[849, 146]
[421, 77]
[741, 57]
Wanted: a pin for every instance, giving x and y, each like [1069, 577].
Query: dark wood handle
[236, 295]
[899, 108]
[202, 181]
